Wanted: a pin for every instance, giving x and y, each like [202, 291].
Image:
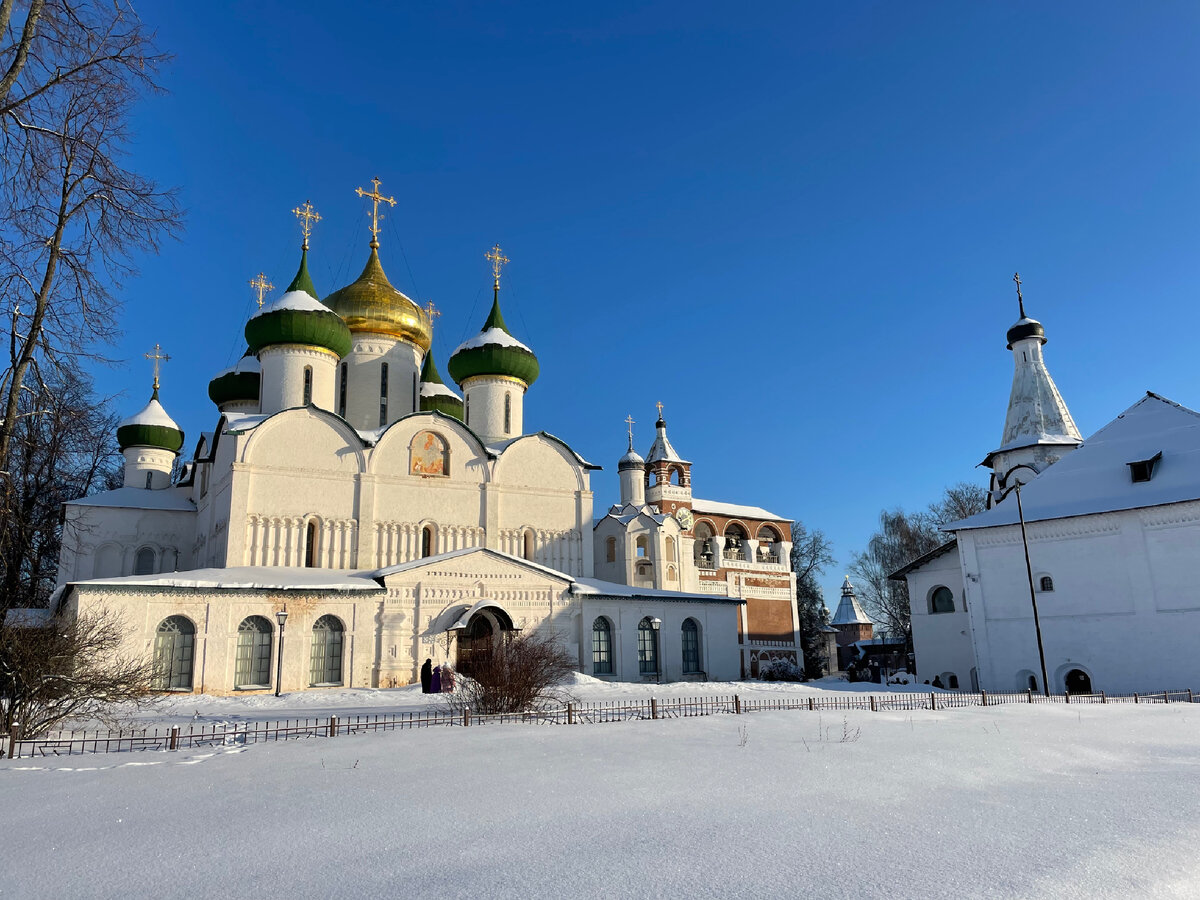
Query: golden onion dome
[370, 304]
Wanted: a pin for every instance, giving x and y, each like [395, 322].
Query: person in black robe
[436, 686]
[427, 676]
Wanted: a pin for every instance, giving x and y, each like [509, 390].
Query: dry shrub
[524, 671]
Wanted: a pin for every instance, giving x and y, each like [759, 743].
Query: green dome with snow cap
[435, 396]
[298, 317]
[239, 382]
[494, 351]
[151, 427]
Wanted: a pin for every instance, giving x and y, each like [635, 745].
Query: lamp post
[1037, 622]
[281, 616]
[655, 624]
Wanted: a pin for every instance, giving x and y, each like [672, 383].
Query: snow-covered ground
[1022, 801]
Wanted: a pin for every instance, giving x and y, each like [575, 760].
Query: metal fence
[68, 743]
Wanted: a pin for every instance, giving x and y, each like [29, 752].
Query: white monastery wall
[282, 385]
[364, 379]
[104, 541]
[494, 407]
[941, 641]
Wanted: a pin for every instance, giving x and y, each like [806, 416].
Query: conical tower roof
[435, 396]
[848, 611]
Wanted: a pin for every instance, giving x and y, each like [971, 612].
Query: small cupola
[435, 396]
[631, 471]
[149, 439]
[236, 389]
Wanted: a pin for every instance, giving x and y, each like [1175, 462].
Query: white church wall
[494, 407]
[1125, 607]
[941, 641]
[104, 541]
[364, 379]
[283, 368]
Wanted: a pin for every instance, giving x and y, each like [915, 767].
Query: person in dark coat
[427, 676]
[436, 686]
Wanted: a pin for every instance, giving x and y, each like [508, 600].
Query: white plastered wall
[282, 384]
[941, 641]
[364, 368]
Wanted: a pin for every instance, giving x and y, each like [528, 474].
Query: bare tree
[521, 672]
[812, 553]
[71, 667]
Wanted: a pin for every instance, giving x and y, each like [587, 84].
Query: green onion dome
[370, 304]
[435, 396]
[237, 383]
[151, 427]
[298, 318]
[494, 351]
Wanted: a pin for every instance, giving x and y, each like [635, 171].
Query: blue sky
[794, 224]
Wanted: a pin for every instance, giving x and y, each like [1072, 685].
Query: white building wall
[282, 384]
[364, 379]
[485, 399]
[941, 641]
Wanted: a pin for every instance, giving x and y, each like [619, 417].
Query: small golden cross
[307, 216]
[1020, 299]
[158, 357]
[261, 286]
[376, 198]
[659, 405]
[498, 259]
[432, 311]
[629, 421]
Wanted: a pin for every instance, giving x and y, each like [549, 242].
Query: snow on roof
[627, 513]
[151, 414]
[293, 300]
[466, 551]
[924, 558]
[596, 587]
[245, 364]
[661, 450]
[848, 611]
[236, 421]
[733, 510]
[170, 499]
[1096, 478]
[492, 336]
[253, 578]
[435, 389]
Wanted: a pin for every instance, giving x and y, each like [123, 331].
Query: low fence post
[1067, 696]
[1103, 697]
[653, 708]
[933, 701]
[983, 694]
[333, 724]
[466, 717]
[811, 704]
[570, 713]
[1029, 692]
[1190, 700]
[13, 736]
[872, 699]
[1135, 698]
[737, 705]
[173, 740]
[1166, 697]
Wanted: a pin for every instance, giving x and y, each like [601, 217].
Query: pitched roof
[1096, 478]
[734, 510]
[848, 611]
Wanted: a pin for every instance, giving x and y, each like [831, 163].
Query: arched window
[952, 682]
[143, 563]
[941, 600]
[307, 385]
[252, 667]
[735, 541]
[1078, 681]
[670, 549]
[174, 651]
[149, 480]
[383, 393]
[1032, 683]
[342, 390]
[1045, 583]
[602, 647]
[675, 475]
[691, 646]
[647, 648]
[325, 663]
[429, 454]
[508, 413]
[641, 546]
[671, 576]
[428, 541]
[527, 545]
[768, 544]
[611, 549]
[702, 549]
[310, 544]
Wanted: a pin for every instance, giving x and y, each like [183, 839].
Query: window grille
[252, 667]
[691, 646]
[601, 647]
[647, 648]
[325, 665]
[174, 652]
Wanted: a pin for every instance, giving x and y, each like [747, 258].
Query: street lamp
[1037, 622]
[281, 616]
[655, 624]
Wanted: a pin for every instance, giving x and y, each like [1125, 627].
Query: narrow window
[307, 385]
[149, 480]
[1046, 583]
[647, 648]
[467, 409]
[427, 543]
[611, 549]
[953, 682]
[342, 391]
[416, 401]
[143, 563]
[383, 394]
[1033, 683]
[528, 548]
[670, 549]
[641, 546]
[508, 413]
[174, 650]
[601, 647]
[325, 661]
[310, 545]
[691, 646]
[252, 665]
[941, 600]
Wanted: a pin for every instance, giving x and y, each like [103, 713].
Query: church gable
[430, 446]
[304, 439]
[540, 461]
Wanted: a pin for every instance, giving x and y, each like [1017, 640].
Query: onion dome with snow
[151, 427]
[632, 459]
[1025, 327]
[298, 317]
[494, 351]
[370, 304]
[237, 384]
[435, 396]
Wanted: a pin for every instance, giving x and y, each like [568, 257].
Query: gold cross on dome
[629, 421]
[496, 255]
[261, 286]
[659, 405]
[158, 357]
[307, 216]
[376, 198]
[1020, 299]
[432, 311]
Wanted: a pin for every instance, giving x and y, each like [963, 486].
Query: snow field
[1012, 801]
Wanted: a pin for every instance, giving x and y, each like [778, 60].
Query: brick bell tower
[668, 476]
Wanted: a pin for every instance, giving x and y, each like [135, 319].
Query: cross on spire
[432, 311]
[629, 422]
[158, 358]
[308, 217]
[261, 286]
[660, 406]
[1020, 299]
[376, 198]
[496, 255]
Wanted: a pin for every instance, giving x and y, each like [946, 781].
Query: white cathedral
[354, 510]
[1105, 543]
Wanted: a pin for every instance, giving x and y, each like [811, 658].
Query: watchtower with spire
[668, 475]
[1038, 428]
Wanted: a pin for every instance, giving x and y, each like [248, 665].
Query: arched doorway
[479, 637]
[1078, 682]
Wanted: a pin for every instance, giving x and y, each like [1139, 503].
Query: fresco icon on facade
[429, 455]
